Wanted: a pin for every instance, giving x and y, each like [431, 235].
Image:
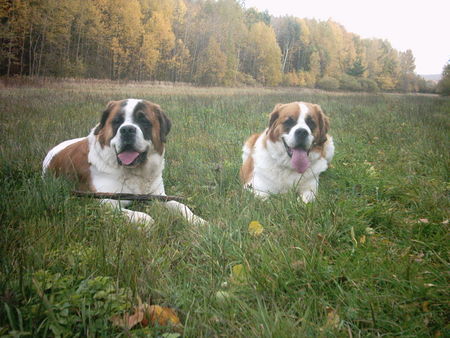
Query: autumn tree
[214, 42]
[212, 65]
[444, 84]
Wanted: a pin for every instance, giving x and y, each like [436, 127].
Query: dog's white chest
[145, 180]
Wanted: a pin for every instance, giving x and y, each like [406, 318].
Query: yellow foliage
[148, 315]
[255, 228]
[238, 274]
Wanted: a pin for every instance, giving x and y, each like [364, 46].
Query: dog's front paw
[197, 220]
[308, 196]
[139, 217]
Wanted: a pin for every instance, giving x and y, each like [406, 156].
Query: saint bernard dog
[290, 153]
[124, 153]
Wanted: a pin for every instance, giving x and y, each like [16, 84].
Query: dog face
[298, 125]
[133, 129]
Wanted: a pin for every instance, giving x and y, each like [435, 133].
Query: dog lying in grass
[291, 152]
[124, 153]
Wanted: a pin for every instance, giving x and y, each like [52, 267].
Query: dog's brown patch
[322, 123]
[72, 162]
[160, 125]
[104, 131]
[281, 113]
[246, 172]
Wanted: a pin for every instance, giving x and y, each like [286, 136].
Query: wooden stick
[125, 196]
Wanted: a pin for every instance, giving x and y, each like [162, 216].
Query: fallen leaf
[163, 316]
[146, 315]
[238, 274]
[333, 319]
[445, 222]
[424, 220]
[222, 296]
[362, 239]
[255, 228]
[127, 321]
[425, 306]
[370, 231]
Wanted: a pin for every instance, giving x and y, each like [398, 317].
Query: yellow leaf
[146, 315]
[362, 239]
[255, 228]
[238, 274]
[163, 316]
[333, 319]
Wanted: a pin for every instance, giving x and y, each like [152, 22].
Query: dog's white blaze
[301, 124]
[303, 110]
[129, 108]
[301, 118]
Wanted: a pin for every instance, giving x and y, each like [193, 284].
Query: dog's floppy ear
[274, 114]
[104, 117]
[324, 125]
[164, 125]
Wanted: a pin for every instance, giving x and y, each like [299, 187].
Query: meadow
[368, 258]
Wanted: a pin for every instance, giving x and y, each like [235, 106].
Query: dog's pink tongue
[299, 160]
[127, 157]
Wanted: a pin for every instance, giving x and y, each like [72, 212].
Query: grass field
[368, 258]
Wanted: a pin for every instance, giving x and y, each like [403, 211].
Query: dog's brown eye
[310, 122]
[290, 122]
[142, 117]
[117, 120]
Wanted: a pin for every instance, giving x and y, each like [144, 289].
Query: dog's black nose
[301, 134]
[128, 131]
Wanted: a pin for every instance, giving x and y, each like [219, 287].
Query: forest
[203, 42]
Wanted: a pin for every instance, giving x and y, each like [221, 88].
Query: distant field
[369, 257]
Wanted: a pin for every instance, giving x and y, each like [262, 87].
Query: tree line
[204, 42]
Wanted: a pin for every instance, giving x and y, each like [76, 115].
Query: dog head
[133, 129]
[300, 126]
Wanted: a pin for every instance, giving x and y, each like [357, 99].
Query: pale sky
[422, 26]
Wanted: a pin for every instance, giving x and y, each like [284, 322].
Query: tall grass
[369, 257]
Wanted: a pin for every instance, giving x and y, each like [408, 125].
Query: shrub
[291, 79]
[328, 83]
[348, 82]
[368, 85]
[67, 304]
[246, 79]
[443, 86]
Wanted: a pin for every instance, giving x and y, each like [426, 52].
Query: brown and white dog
[290, 153]
[124, 153]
